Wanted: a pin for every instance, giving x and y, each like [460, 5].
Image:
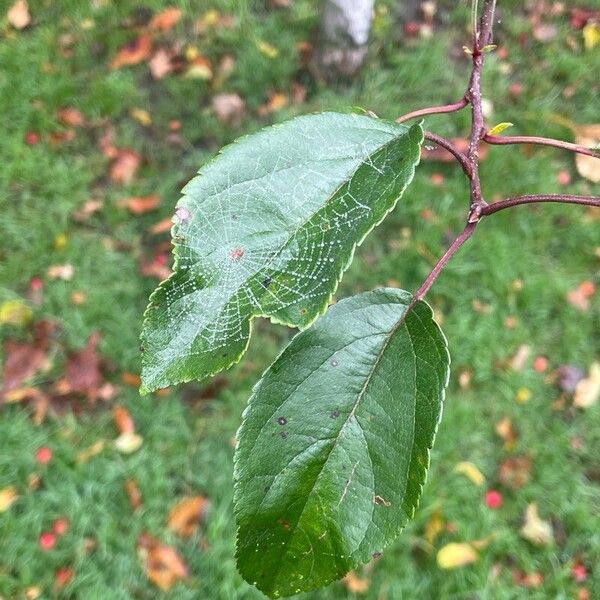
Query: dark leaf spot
[335, 414]
[282, 420]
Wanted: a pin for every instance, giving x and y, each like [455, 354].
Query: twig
[434, 110]
[490, 209]
[466, 233]
[501, 140]
[448, 145]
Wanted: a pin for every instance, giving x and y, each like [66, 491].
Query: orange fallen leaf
[166, 19]
[580, 296]
[122, 419]
[125, 166]
[139, 205]
[162, 226]
[185, 516]
[163, 565]
[18, 14]
[131, 379]
[133, 53]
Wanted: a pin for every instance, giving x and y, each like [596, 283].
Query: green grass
[188, 445]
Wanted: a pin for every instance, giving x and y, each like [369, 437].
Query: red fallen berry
[493, 499]
[43, 455]
[540, 364]
[60, 526]
[36, 284]
[32, 138]
[63, 576]
[47, 540]
[579, 572]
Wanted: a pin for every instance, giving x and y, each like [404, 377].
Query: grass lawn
[505, 290]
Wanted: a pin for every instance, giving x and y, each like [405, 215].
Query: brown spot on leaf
[380, 501]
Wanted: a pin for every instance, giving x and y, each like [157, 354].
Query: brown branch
[448, 145]
[490, 209]
[433, 110]
[501, 140]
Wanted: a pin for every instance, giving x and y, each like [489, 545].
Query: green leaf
[267, 229]
[334, 447]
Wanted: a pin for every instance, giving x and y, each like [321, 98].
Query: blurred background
[108, 108]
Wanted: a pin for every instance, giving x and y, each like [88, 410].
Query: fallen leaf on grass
[124, 166]
[122, 419]
[23, 360]
[70, 116]
[527, 580]
[471, 471]
[228, 108]
[18, 14]
[8, 496]
[580, 296]
[199, 68]
[157, 267]
[505, 430]
[64, 272]
[82, 371]
[162, 226]
[276, 102]
[166, 19]
[588, 166]
[587, 390]
[160, 64]
[133, 53]
[515, 472]
[536, 530]
[139, 205]
[133, 493]
[454, 555]
[129, 442]
[163, 565]
[356, 584]
[87, 210]
[434, 526]
[15, 312]
[91, 451]
[187, 514]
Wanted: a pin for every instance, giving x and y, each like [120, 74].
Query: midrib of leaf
[360, 396]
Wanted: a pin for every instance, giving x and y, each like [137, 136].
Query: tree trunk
[344, 34]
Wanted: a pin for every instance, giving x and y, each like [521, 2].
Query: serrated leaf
[334, 446]
[267, 229]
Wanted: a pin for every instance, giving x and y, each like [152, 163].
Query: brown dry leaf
[515, 472]
[166, 19]
[68, 115]
[18, 14]
[139, 205]
[536, 530]
[356, 584]
[588, 166]
[587, 390]
[23, 360]
[8, 495]
[163, 565]
[160, 64]
[505, 430]
[186, 515]
[133, 53]
[133, 493]
[229, 108]
[125, 166]
[454, 555]
[91, 451]
[82, 372]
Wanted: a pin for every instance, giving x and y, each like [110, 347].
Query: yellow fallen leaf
[471, 471]
[591, 35]
[186, 515]
[141, 116]
[454, 555]
[536, 530]
[588, 389]
[434, 527]
[14, 312]
[267, 49]
[7, 496]
[90, 452]
[129, 442]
